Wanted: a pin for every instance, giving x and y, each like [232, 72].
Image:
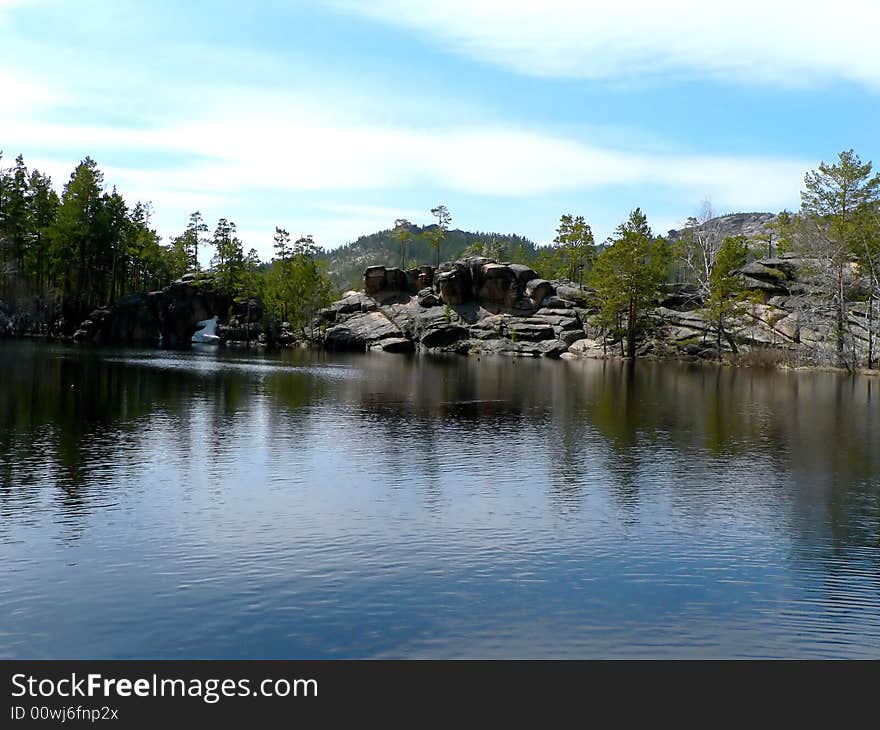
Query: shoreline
[613, 358]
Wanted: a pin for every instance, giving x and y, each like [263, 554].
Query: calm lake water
[166, 505]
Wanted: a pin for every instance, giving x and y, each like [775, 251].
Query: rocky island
[480, 306]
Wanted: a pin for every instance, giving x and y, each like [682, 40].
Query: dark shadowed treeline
[66, 254]
[63, 255]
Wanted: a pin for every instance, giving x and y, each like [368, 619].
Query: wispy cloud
[328, 153]
[244, 152]
[788, 42]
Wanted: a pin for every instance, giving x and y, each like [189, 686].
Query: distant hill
[347, 263]
[750, 225]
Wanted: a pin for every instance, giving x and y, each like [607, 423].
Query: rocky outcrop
[6, 325]
[473, 305]
[380, 281]
[754, 226]
[479, 306]
[365, 330]
[166, 318]
[182, 305]
[133, 320]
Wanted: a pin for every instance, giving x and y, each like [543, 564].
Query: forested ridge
[347, 262]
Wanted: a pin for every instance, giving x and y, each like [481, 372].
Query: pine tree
[73, 237]
[17, 219]
[228, 261]
[628, 276]
[403, 234]
[575, 241]
[43, 205]
[193, 234]
[728, 291]
[438, 235]
[839, 201]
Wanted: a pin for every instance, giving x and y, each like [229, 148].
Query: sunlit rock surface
[479, 306]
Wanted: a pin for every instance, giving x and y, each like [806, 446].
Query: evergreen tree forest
[62, 255]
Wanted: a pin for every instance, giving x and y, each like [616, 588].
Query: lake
[307, 505]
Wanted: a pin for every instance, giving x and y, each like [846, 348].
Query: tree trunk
[841, 319]
[631, 330]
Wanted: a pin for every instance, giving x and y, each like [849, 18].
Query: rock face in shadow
[499, 287]
[133, 320]
[183, 305]
[166, 318]
[455, 286]
[479, 306]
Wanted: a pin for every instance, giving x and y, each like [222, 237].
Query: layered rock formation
[474, 305]
[477, 305]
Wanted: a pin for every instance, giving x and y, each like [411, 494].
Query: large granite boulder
[395, 344]
[475, 264]
[681, 296]
[380, 281]
[532, 328]
[183, 305]
[427, 298]
[586, 348]
[524, 274]
[374, 280]
[438, 327]
[351, 303]
[361, 331]
[426, 276]
[499, 287]
[572, 294]
[397, 280]
[538, 290]
[135, 320]
[554, 302]
[514, 348]
[692, 319]
[455, 286]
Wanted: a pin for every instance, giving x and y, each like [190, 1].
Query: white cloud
[247, 153]
[784, 41]
[21, 95]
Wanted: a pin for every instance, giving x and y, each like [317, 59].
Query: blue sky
[334, 118]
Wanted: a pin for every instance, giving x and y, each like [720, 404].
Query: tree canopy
[628, 275]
